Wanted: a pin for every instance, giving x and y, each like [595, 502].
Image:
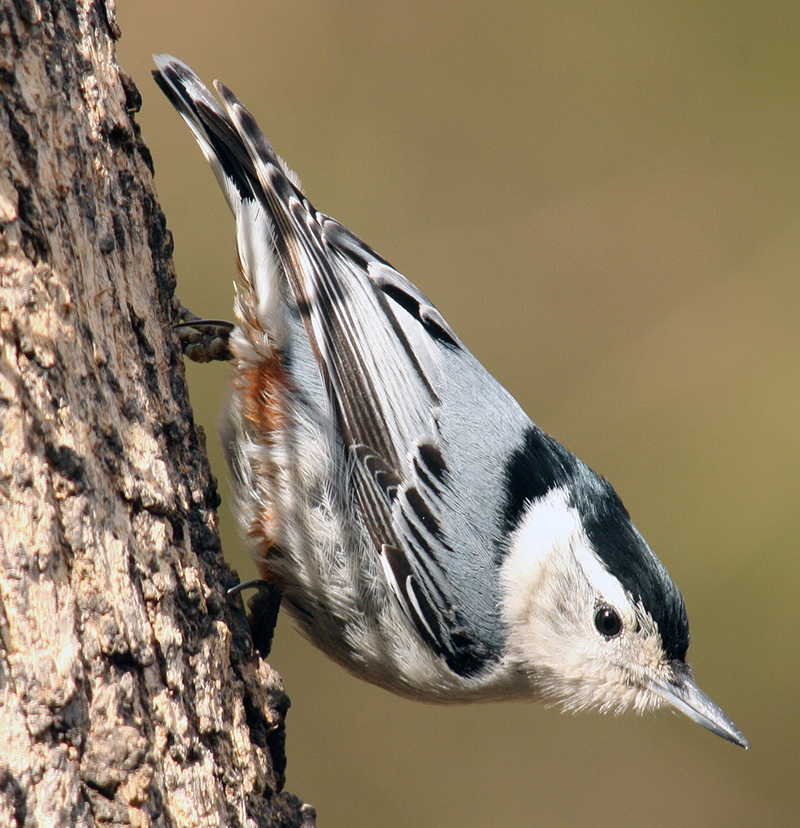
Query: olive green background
[604, 201]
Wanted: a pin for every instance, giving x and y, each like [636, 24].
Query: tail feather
[247, 169]
[217, 137]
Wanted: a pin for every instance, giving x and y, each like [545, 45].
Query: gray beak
[686, 696]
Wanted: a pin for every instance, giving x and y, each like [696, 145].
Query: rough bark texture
[129, 690]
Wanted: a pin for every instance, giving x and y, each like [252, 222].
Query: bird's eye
[607, 621]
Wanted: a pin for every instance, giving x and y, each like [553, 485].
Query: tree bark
[130, 693]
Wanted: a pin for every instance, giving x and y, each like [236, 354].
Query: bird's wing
[375, 338]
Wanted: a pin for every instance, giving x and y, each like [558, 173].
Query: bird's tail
[248, 170]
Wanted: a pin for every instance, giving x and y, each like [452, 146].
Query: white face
[574, 630]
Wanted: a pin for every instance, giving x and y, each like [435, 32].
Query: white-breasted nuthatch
[422, 530]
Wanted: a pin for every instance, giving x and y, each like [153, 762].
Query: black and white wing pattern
[377, 341]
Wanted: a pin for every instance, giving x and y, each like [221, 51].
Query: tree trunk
[130, 693]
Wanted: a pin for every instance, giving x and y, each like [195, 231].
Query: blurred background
[604, 202]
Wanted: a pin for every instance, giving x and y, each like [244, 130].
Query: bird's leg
[203, 340]
[263, 616]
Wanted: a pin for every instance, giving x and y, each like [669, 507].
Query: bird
[421, 530]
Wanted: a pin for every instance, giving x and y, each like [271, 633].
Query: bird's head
[594, 619]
